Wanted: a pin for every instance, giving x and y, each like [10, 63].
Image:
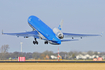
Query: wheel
[33, 42]
[46, 42]
[37, 42]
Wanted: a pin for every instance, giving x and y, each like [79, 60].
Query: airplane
[44, 32]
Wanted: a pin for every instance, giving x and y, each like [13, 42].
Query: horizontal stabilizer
[69, 40]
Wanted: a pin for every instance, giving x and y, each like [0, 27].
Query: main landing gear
[35, 42]
[46, 42]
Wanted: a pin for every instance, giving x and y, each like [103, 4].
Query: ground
[52, 66]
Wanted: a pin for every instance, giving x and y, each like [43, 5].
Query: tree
[4, 51]
[90, 52]
[49, 53]
[4, 48]
[42, 56]
[96, 53]
[36, 55]
[73, 55]
[15, 55]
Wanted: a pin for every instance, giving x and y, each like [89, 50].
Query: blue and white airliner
[42, 31]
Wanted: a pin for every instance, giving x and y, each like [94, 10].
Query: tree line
[5, 55]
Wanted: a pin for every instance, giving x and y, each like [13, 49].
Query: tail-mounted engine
[58, 33]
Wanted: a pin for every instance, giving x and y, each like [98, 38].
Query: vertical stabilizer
[61, 24]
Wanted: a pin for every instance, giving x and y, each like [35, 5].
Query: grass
[52, 66]
[49, 60]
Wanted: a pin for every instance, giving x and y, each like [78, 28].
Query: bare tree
[4, 51]
[36, 55]
[4, 48]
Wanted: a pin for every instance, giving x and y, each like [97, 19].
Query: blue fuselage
[43, 29]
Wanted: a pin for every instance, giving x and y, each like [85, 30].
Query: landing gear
[46, 42]
[35, 42]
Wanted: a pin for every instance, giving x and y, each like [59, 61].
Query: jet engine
[58, 33]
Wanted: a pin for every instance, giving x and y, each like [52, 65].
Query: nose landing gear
[35, 42]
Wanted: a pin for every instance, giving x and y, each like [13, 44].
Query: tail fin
[60, 26]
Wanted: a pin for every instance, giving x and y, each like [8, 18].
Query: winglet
[102, 34]
[2, 32]
[60, 26]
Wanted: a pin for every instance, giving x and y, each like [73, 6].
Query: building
[86, 56]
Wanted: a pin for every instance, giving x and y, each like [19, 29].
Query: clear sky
[80, 16]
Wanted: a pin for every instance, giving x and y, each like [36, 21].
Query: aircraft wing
[69, 40]
[72, 35]
[24, 34]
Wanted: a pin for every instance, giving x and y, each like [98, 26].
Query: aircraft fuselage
[43, 30]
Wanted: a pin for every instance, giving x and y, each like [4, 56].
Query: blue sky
[80, 16]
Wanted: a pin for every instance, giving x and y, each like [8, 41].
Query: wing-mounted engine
[58, 33]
